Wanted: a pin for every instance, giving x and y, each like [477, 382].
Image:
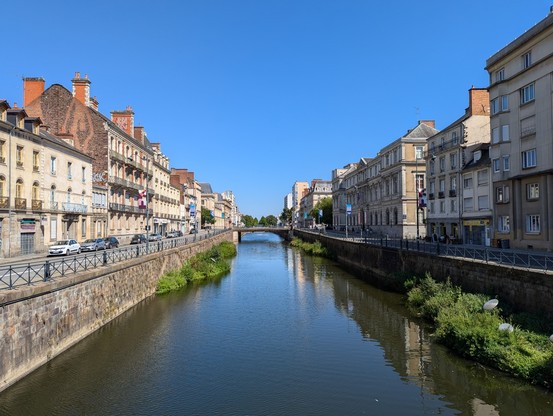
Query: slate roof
[422, 130]
[206, 188]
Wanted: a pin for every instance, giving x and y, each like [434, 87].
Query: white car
[64, 247]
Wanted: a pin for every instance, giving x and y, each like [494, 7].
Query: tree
[271, 220]
[286, 216]
[249, 221]
[207, 218]
[326, 205]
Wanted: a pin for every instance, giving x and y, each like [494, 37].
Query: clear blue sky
[253, 95]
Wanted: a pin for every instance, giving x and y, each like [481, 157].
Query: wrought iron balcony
[441, 194]
[4, 202]
[53, 206]
[452, 192]
[20, 203]
[36, 204]
[431, 195]
[71, 207]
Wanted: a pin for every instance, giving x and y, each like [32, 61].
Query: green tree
[271, 220]
[249, 221]
[263, 221]
[326, 205]
[286, 216]
[207, 218]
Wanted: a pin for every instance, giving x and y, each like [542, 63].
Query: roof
[422, 130]
[206, 188]
[484, 158]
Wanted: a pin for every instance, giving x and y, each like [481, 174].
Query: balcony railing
[19, 164]
[129, 208]
[20, 203]
[431, 195]
[4, 202]
[72, 207]
[53, 206]
[452, 192]
[36, 204]
[441, 194]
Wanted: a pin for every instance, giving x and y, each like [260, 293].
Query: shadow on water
[283, 334]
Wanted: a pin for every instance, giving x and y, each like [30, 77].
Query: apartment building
[166, 199]
[388, 187]
[122, 155]
[318, 190]
[521, 121]
[45, 186]
[339, 204]
[476, 193]
[444, 162]
[190, 198]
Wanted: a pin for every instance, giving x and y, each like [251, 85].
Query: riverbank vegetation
[314, 249]
[518, 344]
[207, 265]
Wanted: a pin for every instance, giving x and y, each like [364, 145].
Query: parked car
[171, 234]
[138, 239]
[155, 237]
[93, 244]
[111, 242]
[64, 247]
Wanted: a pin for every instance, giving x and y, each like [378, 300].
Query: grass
[313, 249]
[463, 326]
[204, 266]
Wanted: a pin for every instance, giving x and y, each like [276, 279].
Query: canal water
[282, 334]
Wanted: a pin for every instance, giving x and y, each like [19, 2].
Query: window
[19, 189]
[419, 152]
[494, 106]
[527, 93]
[505, 133]
[453, 160]
[432, 167]
[2, 186]
[467, 182]
[529, 158]
[495, 135]
[503, 224]
[36, 156]
[53, 165]
[432, 187]
[19, 156]
[527, 60]
[532, 223]
[495, 164]
[502, 194]
[453, 183]
[482, 177]
[533, 191]
[500, 75]
[69, 169]
[35, 191]
[504, 103]
[442, 163]
[2, 151]
[432, 207]
[83, 174]
[442, 185]
[453, 205]
[442, 206]
[506, 162]
[483, 202]
[454, 138]
[419, 181]
[468, 204]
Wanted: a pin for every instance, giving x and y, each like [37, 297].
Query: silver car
[64, 247]
[93, 244]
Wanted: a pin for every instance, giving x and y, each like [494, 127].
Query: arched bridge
[284, 232]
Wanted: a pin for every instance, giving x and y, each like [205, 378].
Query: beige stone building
[339, 207]
[521, 86]
[318, 190]
[298, 191]
[45, 186]
[444, 162]
[166, 200]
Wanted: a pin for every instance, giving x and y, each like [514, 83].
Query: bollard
[105, 258]
[46, 271]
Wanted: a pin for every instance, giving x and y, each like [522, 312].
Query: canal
[282, 334]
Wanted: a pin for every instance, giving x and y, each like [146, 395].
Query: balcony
[431, 195]
[36, 204]
[2, 159]
[20, 203]
[4, 202]
[19, 164]
[441, 194]
[117, 156]
[129, 208]
[75, 208]
[53, 206]
[452, 192]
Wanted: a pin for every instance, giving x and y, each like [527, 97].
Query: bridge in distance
[284, 232]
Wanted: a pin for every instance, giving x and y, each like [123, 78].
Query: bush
[314, 249]
[207, 265]
[462, 325]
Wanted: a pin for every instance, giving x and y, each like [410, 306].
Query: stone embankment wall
[526, 290]
[41, 321]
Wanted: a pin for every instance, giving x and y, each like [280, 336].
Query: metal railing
[525, 259]
[17, 275]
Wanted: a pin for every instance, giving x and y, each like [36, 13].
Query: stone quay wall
[525, 290]
[41, 321]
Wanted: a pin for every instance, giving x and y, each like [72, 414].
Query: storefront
[477, 232]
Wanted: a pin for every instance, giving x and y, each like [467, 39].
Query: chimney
[124, 119]
[94, 103]
[139, 134]
[479, 102]
[32, 89]
[81, 88]
[429, 123]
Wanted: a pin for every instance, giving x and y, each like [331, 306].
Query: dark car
[138, 239]
[111, 242]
